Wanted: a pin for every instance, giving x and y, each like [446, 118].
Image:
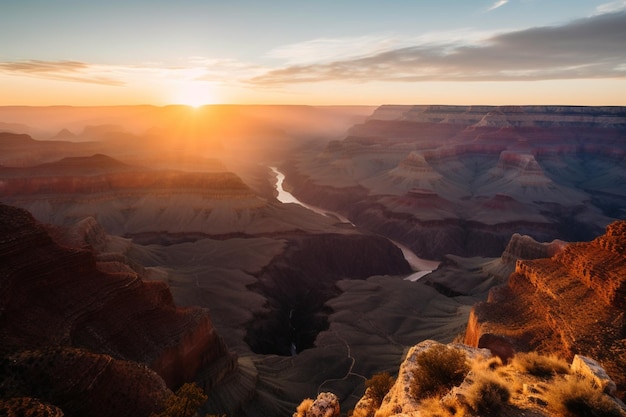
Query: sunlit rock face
[528, 392]
[570, 303]
[482, 173]
[106, 331]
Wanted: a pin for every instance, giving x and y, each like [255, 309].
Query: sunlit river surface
[420, 266]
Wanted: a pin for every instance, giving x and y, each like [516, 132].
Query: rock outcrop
[523, 391]
[325, 405]
[76, 336]
[571, 303]
[481, 174]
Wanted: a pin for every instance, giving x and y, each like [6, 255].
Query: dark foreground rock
[90, 341]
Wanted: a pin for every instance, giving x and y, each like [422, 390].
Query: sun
[194, 94]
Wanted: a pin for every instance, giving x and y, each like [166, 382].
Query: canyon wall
[463, 179]
[96, 331]
[570, 303]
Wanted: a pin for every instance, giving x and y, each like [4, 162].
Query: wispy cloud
[325, 50]
[187, 70]
[611, 7]
[586, 48]
[497, 4]
[73, 71]
[221, 70]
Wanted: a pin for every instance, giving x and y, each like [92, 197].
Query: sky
[319, 52]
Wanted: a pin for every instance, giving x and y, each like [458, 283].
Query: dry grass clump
[433, 407]
[577, 396]
[493, 363]
[540, 365]
[440, 368]
[378, 386]
[303, 407]
[487, 395]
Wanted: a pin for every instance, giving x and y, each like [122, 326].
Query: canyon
[300, 302]
[462, 179]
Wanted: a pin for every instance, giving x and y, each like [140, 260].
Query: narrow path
[348, 372]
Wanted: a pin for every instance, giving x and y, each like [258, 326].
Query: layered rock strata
[571, 303]
[131, 200]
[465, 178]
[61, 314]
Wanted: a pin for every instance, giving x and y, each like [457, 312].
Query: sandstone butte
[89, 337]
[571, 303]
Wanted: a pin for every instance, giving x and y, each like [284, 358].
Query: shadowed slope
[55, 297]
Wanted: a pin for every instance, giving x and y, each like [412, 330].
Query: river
[421, 267]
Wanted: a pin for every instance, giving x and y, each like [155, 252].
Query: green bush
[439, 369]
[378, 386]
[578, 397]
[540, 365]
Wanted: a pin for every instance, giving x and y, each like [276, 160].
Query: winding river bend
[421, 266]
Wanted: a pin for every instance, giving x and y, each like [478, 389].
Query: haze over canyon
[143, 247]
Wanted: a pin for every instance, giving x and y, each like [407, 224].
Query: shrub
[378, 386]
[440, 368]
[488, 395]
[433, 407]
[304, 407]
[578, 397]
[184, 403]
[540, 365]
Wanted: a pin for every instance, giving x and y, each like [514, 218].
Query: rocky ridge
[571, 303]
[528, 393]
[127, 199]
[70, 326]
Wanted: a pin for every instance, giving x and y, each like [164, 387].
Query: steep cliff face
[56, 297]
[525, 247]
[549, 172]
[572, 302]
[506, 116]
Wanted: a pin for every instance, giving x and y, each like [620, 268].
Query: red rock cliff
[573, 302]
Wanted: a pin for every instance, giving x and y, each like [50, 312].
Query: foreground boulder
[489, 387]
[325, 405]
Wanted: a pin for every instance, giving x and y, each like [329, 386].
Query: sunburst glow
[194, 94]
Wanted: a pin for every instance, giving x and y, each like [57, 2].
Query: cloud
[612, 7]
[73, 71]
[189, 70]
[497, 4]
[221, 70]
[329, 50]
[592, 47]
